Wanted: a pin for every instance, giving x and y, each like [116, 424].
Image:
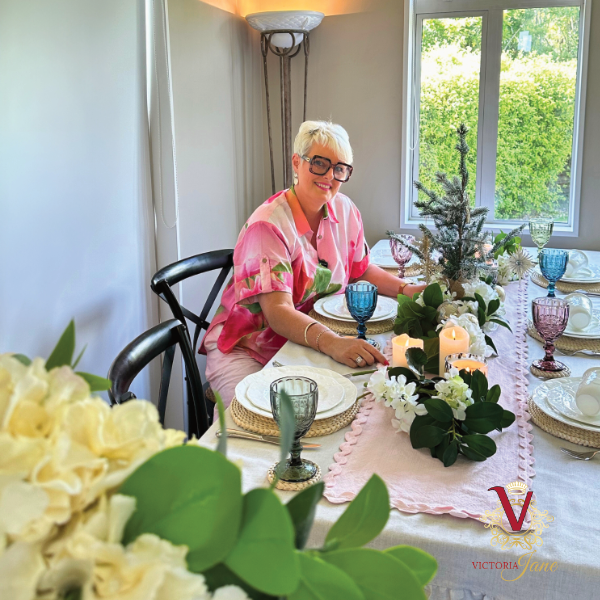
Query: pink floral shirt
[274, 254]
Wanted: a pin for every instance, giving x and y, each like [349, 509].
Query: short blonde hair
[326, 134]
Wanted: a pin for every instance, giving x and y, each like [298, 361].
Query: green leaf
[24, 360]
[264, 555]
[402, 299]
[421, 421]
[493, 394]
[222, 443]
[287, 428]
[378, 575]
[302, 508]
[493, 306]
[490, 342]
[74, 366]
[220, 575]
[433, 296]
[472, 454]
[501, 322]
[479, 385]
[421, 563]
[417, 359]
[481, 444]
[450, 454]
[187, 495]
[397, 371]
[482, 417]
[427, 436]
[480, 302]
[481, 318]
[508, 418]
[365, 517]
[320, 580]
[439, 410]
[96, 383]
[63, 351]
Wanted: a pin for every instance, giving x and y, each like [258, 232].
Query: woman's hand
[348, 350]
[410, 289]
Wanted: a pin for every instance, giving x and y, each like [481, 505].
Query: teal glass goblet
[553, 264]
[361, 299]
[304, 394]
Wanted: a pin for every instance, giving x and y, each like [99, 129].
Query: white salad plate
[334, 307]
[328, 387]
[556, 398]
[592, 331]
[589, 274]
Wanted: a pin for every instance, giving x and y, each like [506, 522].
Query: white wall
[75, 228]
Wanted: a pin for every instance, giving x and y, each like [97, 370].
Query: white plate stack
[336, 393]
[334, 307]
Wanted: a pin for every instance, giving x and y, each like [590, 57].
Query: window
[514, 72]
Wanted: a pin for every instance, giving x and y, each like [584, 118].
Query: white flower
[455, 392]
[405, 413]
[477, 343]
[487, 292]
[377, 383]
[230, 592]
[505, 272]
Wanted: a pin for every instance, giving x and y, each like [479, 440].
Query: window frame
[491, 12]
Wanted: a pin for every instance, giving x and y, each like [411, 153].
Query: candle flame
[453, 334]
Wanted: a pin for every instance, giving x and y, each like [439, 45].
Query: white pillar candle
[469, 362]
[587, 396]
[453, 340]
[400, 345]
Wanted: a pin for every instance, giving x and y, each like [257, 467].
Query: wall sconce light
[284, 33]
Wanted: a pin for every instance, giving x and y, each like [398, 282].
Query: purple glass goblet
[550, 318]
[400, 253]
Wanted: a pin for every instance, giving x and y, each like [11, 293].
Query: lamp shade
[285, 19]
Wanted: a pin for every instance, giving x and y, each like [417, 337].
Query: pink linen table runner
[419, 483]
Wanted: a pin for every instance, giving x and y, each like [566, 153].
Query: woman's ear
[296, 161]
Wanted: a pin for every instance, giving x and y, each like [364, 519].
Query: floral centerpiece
[103, 503]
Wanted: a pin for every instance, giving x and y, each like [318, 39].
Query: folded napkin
[577, 261]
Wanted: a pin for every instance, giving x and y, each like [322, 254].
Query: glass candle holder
[541, 231]
[400, 253]
[467, 361]
[553, 264]
[550, 318]
[304, 394]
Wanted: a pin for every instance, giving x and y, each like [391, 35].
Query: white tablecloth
[568, 489]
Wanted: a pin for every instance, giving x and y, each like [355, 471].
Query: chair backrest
[165, 337]
[170, 275]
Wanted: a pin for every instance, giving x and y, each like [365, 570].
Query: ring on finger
[359, 360]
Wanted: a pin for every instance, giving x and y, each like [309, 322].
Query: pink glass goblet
[550, 318]
[400, 253]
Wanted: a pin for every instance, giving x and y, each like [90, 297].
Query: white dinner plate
[561, 397]
[333, 307]
[331, 392]
[349, 399]
[555, 388]
[589, 274]
[383, 259]
[592, 331]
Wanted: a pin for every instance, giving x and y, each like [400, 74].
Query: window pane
[537, 102]
[450, 66]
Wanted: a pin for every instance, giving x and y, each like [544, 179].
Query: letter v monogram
[508, 508]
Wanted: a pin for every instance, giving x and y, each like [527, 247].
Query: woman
[299, 245]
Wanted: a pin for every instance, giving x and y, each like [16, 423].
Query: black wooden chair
[171, 275]
[136, 355]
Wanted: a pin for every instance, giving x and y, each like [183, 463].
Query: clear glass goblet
[304, 394]
[400, 253]
[553, 264]
[361, 299]
[541, 231]
[550, 318]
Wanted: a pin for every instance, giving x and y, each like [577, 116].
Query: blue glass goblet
[553, 264]
[361, 299]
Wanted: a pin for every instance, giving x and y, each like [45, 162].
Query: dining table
[469, 565]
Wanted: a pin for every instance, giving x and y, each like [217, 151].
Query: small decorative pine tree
[458, 234]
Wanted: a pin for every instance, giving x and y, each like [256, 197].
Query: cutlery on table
[270, 439]
[347, 375]
[574, 352]
[587, 293]
[587, 455]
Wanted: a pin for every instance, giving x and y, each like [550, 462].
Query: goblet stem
[401, 271]
[551, 293]
[549, 352]
[362, 330]
[295, 452]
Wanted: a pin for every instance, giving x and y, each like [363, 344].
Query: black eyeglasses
[319, 165]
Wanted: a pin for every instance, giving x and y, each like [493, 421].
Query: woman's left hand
[410, 289]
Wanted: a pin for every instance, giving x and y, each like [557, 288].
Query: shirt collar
[300, 219]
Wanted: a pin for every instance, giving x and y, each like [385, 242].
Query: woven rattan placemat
[296, 486]
[349, 327]
[267, 426]
[574, 434]
[562, 286]
[411, 271]
[569, 344]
